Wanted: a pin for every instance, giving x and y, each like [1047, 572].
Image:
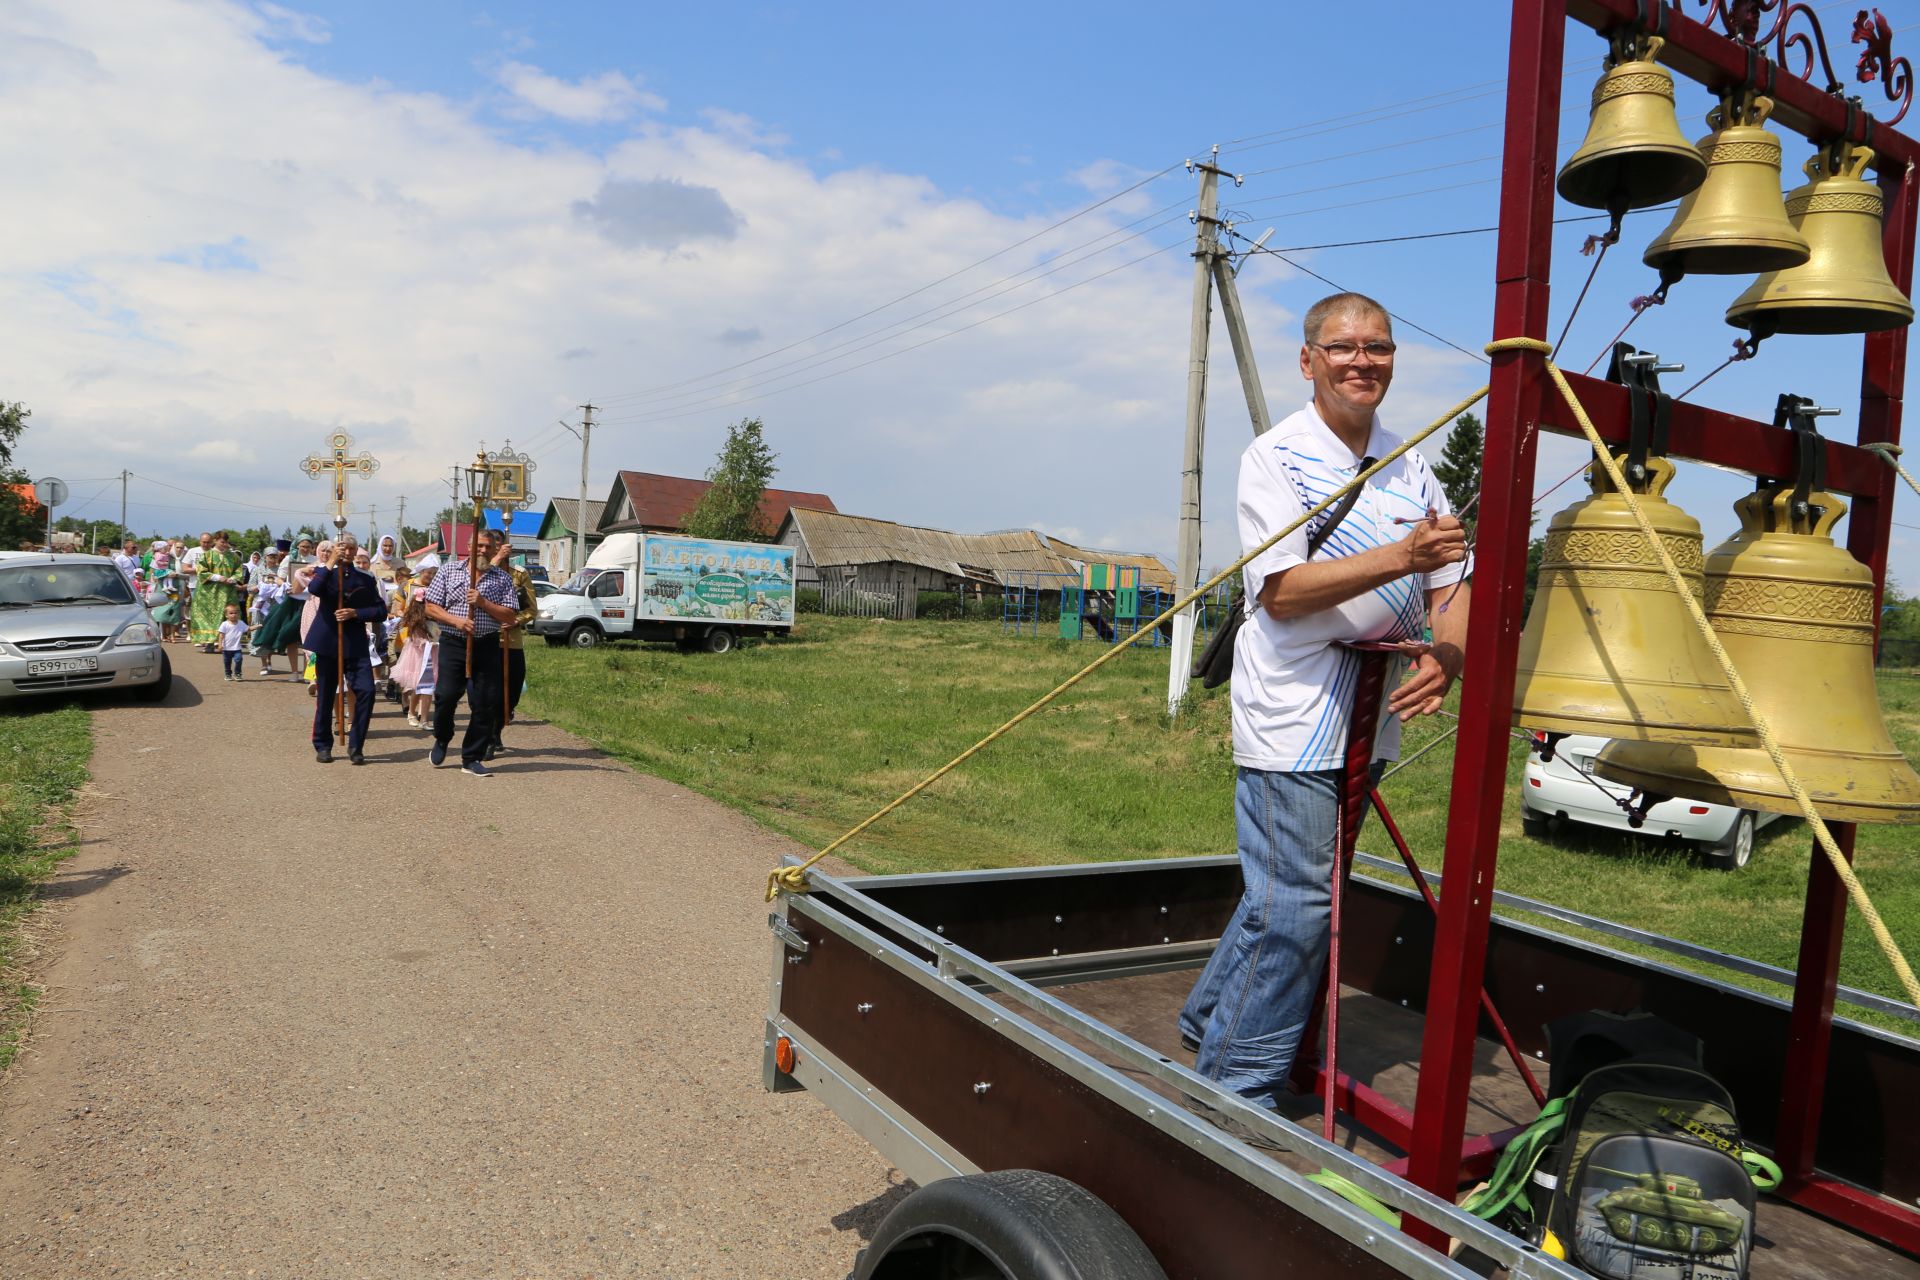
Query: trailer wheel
[584, 635]
[720, 640]
[1017, 1224]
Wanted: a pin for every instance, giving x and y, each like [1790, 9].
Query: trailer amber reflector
[783, 1055]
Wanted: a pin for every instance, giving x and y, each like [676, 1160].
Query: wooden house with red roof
[644, 502]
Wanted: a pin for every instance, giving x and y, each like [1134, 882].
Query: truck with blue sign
[696, 592]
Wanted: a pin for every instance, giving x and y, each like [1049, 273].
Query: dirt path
[393, 1021]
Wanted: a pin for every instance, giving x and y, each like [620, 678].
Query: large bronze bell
[1608, 647]
[1843, 287]
[1795, 613]
[1734, 224]
[1634, 154]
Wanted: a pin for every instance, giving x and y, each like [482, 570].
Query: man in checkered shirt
[478, 610]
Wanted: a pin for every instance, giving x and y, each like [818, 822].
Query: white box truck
[697, 592]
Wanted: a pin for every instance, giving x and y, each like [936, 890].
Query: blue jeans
[1251, 1004]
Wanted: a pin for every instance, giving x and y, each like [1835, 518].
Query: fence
[851, 601]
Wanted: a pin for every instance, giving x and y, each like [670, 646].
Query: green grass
[810, 735]
[43, 761]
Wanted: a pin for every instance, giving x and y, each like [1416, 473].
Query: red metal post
[1823, 923]
[1523, 262]
[1355, 785]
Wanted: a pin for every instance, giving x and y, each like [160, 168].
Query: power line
[901, 328]
[668, 417]
[1044, 231]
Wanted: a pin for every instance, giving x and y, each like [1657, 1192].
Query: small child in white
[233, 642]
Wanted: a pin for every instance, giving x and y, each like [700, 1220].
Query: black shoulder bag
[1214, 666]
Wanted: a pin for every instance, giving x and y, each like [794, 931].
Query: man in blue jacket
[349, 600]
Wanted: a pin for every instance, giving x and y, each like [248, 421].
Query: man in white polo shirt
[1394, 565]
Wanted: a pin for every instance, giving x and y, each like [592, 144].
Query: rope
[1890, 454]
[1855, 890]
[794, 879]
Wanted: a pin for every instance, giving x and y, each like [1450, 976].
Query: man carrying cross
[349, 600]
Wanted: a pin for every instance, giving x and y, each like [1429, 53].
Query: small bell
[1735, 223]
[1634, 154]
[1844, 286]
[1795, 613]
[1608, 647]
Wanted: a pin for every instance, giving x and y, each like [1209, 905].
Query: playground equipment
[1023, 593]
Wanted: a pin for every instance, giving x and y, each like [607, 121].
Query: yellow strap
[1855, 890]
[794, 879]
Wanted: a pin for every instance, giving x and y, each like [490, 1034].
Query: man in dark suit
[349, 600]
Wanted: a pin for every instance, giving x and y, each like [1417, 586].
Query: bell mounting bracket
[1652, 409]
[1800, 415]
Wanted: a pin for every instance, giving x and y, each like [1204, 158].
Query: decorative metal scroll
[1789, 32]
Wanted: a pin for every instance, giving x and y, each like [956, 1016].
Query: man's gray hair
[1342, 304]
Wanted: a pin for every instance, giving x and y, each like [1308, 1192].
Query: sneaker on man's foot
[438, 754]
[323, 754]
[356, 757]
[474, 769]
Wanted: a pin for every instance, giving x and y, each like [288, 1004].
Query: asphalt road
[391, 1021]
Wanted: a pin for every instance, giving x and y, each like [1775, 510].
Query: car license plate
[1584, 764]
[60, 666]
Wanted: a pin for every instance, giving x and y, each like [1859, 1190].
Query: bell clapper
[1640, 805]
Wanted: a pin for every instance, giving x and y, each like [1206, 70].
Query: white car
[1565, 788]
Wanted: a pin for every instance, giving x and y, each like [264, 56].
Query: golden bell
[1795, 613]
[1634, 154]
[1844, 286]
[1609, 648]
[1735, 223]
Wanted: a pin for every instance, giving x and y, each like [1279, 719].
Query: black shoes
[323, 754]
[356, 757]
[438, 754]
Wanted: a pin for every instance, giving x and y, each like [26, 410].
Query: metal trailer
[1024, 1020]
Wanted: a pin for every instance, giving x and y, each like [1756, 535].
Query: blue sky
[435, 224]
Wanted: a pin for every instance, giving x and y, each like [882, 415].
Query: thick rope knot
[1498, 345]
[787, 879]
[1887, 452]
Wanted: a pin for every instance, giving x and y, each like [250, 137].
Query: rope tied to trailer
[1603, 457]
[794, 879]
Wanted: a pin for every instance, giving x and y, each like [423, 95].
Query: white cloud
[294, 25]
[598, 99]
[200, 293]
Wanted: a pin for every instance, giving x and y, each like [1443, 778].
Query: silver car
[71, 623]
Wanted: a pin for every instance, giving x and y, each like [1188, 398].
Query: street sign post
[50, 492]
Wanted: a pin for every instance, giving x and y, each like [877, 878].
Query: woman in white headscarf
[385, 563]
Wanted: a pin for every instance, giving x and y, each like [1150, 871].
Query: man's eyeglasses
[1348, 352]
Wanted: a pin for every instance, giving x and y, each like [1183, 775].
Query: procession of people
[354, 624]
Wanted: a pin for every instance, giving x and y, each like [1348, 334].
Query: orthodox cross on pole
[337, 462]
[509, 490]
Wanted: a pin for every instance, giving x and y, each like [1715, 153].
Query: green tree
[730, 509]
[248, 541]
[1458, 470]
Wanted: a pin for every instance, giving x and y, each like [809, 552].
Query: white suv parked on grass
[70, 624]
[1567, 789]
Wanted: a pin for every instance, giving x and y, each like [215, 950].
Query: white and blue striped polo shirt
[1292, 682]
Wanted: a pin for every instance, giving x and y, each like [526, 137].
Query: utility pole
[400, 532]
[123, 508]
[1206, 252]
[580, 517]
[373, 525]
[1225, 278]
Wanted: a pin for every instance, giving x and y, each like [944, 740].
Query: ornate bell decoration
[1608, 647]
[1795, 613]
[1735, 223]
[1634, 154]
[1843, 287]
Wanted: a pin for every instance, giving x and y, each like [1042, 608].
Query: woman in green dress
[216, 585]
